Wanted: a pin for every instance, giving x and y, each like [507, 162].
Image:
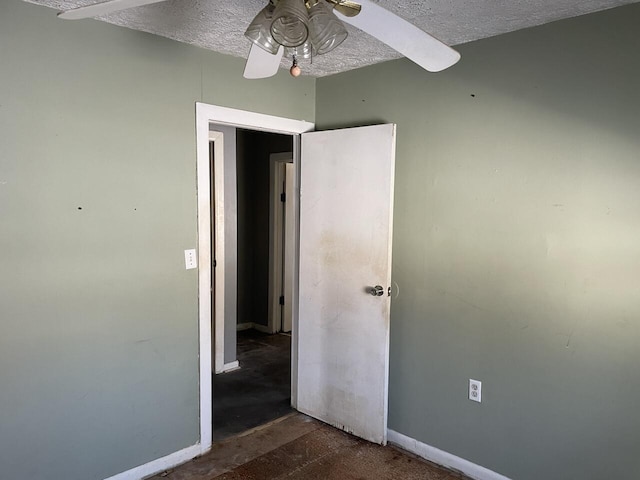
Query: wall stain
[569, 339]
[462, 300]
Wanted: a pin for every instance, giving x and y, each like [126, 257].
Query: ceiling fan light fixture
[301, 51]
[290, 26]
[259, 31]
[325, 30]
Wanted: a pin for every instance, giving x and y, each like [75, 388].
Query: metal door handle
[377, 291]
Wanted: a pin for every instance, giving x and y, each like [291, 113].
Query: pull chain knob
[295, 69]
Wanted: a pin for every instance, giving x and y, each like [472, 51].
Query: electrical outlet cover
[475, 390]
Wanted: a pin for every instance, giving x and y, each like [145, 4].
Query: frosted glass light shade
[290, 23]
[325, 30]
[259, 31]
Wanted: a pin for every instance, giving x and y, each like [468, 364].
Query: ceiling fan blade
[404, 37]
[103, 8]
[262, 64]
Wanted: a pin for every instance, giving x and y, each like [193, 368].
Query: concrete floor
[297, 447]
[259, 391]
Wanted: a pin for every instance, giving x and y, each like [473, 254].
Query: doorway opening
[254, 386]
[217, 267]
[342, 225]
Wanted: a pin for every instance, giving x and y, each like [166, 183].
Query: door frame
[205, 115]
[216, 179]
[281, 241]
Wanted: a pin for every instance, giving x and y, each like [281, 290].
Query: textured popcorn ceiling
[219, 24]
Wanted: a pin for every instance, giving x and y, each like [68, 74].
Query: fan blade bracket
[346, 7]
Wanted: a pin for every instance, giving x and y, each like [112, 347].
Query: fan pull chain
[295, 69]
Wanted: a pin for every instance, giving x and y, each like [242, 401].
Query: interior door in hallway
[346, 207]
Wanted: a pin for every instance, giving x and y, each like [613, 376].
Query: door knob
[377, 291]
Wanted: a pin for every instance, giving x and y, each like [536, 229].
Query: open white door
[346, 207]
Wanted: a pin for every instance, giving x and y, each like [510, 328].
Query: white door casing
[346, 207]
[281, 242]
[217, 233]
[289, 249]
[205, 116]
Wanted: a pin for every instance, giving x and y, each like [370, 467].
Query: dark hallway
[259, 391]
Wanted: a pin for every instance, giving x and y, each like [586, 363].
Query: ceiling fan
[303, 28]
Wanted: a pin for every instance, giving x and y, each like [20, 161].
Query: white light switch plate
[190, 260]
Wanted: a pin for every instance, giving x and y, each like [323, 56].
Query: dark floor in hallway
[297, 447]
[259, 391]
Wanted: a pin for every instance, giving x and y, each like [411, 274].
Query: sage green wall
[516, 245]
[98, 317]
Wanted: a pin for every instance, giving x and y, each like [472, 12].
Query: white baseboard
[261, 328]
[440, 457]
[255, 326]
[160, 465]
[230, 367]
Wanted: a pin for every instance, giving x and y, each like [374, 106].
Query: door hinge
[282, 300]
[283, 197]
[215, 264]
